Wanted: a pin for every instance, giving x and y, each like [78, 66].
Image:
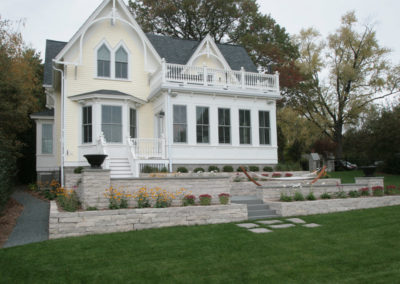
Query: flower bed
[67, 224]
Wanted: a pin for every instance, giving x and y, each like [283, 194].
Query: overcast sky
[60, 19]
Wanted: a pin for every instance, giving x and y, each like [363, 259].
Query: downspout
[167, 129]
[62, 99]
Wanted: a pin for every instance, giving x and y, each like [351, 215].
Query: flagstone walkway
[267, 225]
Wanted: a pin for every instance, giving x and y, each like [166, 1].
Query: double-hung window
[87, 124]
[132, 123]
[121, 63]
[224, 126]
[180, 124]
[111, 123]
[244, 126]
[202, 125]
[47, 138]
[264, 127]
[103, 61]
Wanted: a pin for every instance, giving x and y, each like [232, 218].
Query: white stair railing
[133, 161]
[149, 148]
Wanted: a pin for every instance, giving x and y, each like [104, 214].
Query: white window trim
[209, 124]
[81, 126]
[112, 60]
[230, 126]
[124, 121]
[251, 127]
[187, 125]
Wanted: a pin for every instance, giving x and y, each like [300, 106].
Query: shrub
[268, 169]
[223, 198]
[288, 167]
[227, 169]
[49, 190]
[68, 199]
[182, 170]
[288, 175]
[310, 196]
[142, 198]
[205, 199]
[298, 196]
[237, 178]
[340, 194]
[276, 175]
[325, 195]
[7, 173]
[78, 170]
[213, 169]
[163, 199]
[188, 200]
[196, 170]
[285, 197]
[164, 170]
[149, 169]
[116, 199]
[91, 208]
[364, 191]
[254, 168]
[377, 191]
[239, 169]
[354, 193]
[391, 190]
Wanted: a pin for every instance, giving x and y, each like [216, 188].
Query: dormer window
[103, 61]
[121, 63]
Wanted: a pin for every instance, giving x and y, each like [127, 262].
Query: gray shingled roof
[47, 112]
[103, 92]
[179, 51]
[53, 47]
[174, 50]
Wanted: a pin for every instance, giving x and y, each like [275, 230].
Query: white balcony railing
[149, 148]
[214, 78]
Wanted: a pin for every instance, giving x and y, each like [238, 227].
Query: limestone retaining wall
[299, 208]
[67, 224]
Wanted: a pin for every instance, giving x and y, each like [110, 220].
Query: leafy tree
[359, 73]
[229, 21]
[20, 94]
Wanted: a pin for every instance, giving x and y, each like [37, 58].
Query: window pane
[132, 123]
[264, 127]
[87, 124]
[244, 127]
[224, 126]
[112, 123]
[103, 61]
[121, 55]
[202, 128]
[179, 123]
[103, 53]
[47, 138]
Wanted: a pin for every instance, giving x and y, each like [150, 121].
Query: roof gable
[179, 51]
[53, 47]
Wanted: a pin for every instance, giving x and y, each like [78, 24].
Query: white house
[149, 99]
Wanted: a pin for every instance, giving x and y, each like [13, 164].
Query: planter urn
[95, 160]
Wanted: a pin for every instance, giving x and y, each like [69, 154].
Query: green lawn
[348, 177]
[351, 247]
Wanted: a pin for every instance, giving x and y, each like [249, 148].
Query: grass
[348, 177]
[351, 247]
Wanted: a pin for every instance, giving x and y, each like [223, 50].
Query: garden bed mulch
[8, 219]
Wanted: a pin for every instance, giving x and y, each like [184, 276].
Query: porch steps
[255, 207]
[120, 168]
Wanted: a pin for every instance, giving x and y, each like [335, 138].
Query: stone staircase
[120, 168]
[255, 207]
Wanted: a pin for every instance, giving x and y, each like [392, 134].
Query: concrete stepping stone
[296, 220]
[248, 225]
[260, 230]
[269, 222]
[311, 225]
[281, 226]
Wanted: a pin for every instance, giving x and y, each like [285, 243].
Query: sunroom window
[202, 125]
[103, 61]
[87, 124]
[244, 126]
[264, 125]
[121, 63]
[180, 124]
[47, 138]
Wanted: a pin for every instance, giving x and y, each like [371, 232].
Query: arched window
[103, 61]
[121, 63]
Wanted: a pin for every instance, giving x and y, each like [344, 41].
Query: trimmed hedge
[7, 173]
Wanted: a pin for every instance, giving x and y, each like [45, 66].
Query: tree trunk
[338, 139]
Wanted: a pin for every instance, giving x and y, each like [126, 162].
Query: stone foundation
[300, 208]
[68, 224]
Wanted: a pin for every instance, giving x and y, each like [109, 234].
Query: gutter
[62, 123]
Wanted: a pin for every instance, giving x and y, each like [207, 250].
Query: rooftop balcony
[206, 78]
